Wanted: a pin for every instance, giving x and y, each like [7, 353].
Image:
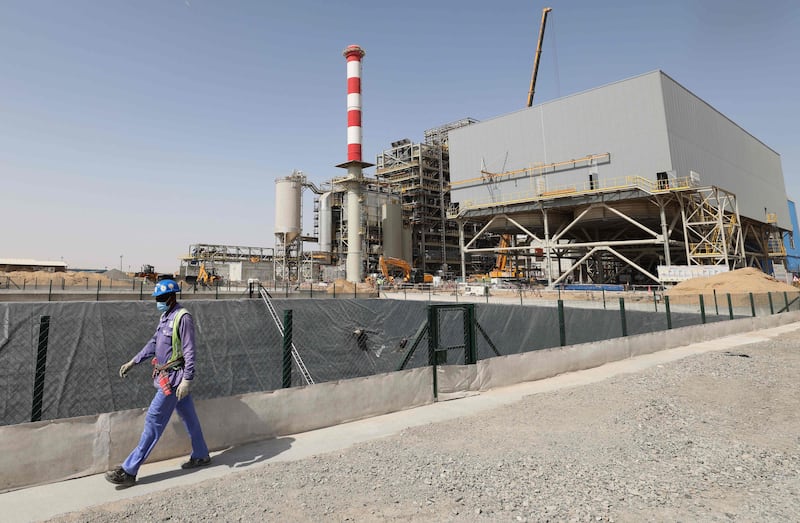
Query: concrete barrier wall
[49, 451]
[503, 371]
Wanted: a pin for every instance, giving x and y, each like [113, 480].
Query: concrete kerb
[45, 452]
[50, 451]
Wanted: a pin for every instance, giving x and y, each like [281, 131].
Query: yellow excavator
[410, 275]
[206, 277]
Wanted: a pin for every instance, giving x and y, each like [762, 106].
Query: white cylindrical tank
[325, 223]
[288, 193]
[392, 225]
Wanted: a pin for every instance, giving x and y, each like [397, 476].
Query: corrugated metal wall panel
[625, 119]
[703, 140]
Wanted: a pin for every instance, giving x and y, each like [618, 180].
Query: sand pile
[343, 286]
[734, 282]
[69, 278]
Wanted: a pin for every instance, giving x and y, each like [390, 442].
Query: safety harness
[176, 359]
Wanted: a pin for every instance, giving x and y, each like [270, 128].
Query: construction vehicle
[148, 273]
[502, 268]
[206, 277]
[409, 274]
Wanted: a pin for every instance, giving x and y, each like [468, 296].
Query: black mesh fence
[61, 359]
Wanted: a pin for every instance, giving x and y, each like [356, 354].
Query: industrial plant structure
[620, 183]
[636, 182]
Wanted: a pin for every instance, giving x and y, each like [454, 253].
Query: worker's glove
[125, 368]
[183, 389]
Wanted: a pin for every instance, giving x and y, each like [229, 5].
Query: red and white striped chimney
[353, 54]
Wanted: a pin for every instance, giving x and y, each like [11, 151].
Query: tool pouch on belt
[162, 373]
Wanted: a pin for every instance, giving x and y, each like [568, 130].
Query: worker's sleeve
[186, 330]
[148, 351]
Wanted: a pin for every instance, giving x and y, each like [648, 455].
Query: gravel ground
[713, 437]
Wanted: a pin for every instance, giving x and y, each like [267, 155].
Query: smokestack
[353, 54]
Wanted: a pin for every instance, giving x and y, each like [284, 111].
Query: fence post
[771, 307]
[702, 310]
[669, 315]
[286, 288]
[433, 339]
[311, 291]
[786, 300]
[98, 290]
[752, 305]
[716, 306]
[471, 353]
[655, 301]
[730, 306]
[520, 295]
[287, 349]
[216, 291]
[41, 364]
[50, 291]
[604, 298]
[133, 284]
[141, 290]
[622, 320]
[63, 283]
[562, 328]
[355, 290]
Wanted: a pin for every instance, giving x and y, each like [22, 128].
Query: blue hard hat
[166, 287]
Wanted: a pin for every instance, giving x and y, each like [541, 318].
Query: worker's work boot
[193, 463]
[118, 476]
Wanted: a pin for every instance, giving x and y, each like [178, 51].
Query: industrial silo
[392, 224]
[325, 222]
[288, 193]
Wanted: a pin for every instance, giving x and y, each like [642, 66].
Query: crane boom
[545, 11]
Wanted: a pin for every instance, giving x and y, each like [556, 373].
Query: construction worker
[173, 346]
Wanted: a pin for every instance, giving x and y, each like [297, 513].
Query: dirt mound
[734, 282]
[343, 286]
[44, 277]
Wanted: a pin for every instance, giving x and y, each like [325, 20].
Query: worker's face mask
[162, 306]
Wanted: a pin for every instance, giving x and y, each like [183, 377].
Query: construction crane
[501, 267]
[545, 11]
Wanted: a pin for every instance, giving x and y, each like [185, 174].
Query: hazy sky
[137, 128]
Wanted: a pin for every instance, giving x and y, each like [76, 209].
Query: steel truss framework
[624, 231]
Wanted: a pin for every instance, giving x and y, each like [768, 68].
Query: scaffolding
[420, 174]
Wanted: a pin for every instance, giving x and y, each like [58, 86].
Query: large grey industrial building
[609, 184]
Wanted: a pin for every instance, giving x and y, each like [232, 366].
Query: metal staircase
[295, 355]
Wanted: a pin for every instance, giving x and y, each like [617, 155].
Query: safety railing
[587, 187]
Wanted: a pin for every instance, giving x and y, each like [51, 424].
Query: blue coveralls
[161, 407]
